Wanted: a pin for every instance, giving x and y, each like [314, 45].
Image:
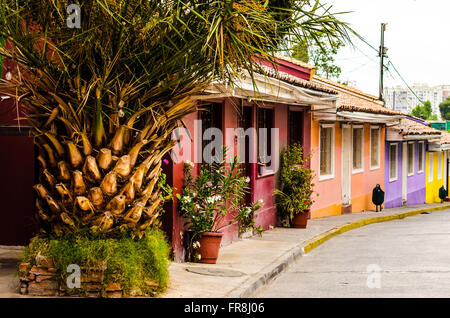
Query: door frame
[346, 177]
[405, 173]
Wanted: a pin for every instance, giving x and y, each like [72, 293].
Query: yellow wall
[432, 188]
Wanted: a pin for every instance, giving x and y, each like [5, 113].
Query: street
[400, 258]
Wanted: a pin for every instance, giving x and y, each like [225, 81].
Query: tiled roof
[445, 138]
[355, 100]
[285, 77]
[410, 127]
[294, 61]
[349, 102]
[344, 87]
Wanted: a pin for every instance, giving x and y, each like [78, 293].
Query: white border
[407, 159]
[379, 147]
[355, 171]
[419, 168]
[396, 162]
[440, 157]
[327, 176]
[430, 166]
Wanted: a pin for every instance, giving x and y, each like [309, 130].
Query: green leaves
[296, 187]
[424, 111]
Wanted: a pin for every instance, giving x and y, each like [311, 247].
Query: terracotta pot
[209, 247]
[301, 220]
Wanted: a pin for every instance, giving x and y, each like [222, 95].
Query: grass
[135, 264]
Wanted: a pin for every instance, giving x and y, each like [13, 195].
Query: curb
[281, 264]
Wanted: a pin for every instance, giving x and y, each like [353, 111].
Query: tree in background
[424, 111]
[444, 108]
[321, 54]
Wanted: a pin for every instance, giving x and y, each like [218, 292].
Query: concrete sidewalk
[246, 265]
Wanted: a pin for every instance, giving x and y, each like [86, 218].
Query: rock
[113, 287]
[113, 294]
[94, 294]
[92, 287]
[41, 278]
[23, 267]
[91, 276]
[45, 288]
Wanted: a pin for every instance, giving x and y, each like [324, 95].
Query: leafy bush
[296, 187]
[134, 264]
[207, 199]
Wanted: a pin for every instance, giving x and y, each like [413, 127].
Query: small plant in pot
[293, 198]
[206, 201]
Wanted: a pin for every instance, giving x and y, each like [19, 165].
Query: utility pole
[382, 54]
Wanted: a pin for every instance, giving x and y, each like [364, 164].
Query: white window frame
[379, 147]
[430, 167]
[440, 155]
[407, 159]
[396, 162]
[323, 177]
[355, 171]
[420, 169]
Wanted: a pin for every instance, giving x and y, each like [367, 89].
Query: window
[410, 158]
[439, 165]
[375, 148]
[295, 119]
[326, 150]
[211, 117]
[430, 167]
[265, 121]
[420, 156]
[393, 162]
[358, 149]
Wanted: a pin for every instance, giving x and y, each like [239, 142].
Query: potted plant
[293, 198]
[205, 202]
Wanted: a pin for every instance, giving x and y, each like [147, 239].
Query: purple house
[404, 173]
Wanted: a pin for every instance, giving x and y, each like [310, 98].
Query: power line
[393, 66]
[403, 80]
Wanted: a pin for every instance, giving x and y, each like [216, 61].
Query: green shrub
[141, 264]
[296, 184]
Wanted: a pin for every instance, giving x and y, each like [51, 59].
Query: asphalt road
[401, 258]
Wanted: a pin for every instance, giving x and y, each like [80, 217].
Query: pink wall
[329, 199]
[262, 186]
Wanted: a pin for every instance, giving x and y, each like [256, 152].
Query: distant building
[402, 99]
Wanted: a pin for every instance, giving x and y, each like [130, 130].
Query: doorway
[405, 173]
[346, 166]
[245, 121]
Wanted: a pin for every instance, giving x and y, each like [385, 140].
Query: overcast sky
[417, 36]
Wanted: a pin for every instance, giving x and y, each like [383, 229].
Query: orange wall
[329, 199]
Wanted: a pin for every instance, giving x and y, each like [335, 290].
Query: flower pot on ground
[300, 221]
[293, 197]
[208, 199]
[209, 247]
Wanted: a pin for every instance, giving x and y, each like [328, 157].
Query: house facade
[348, 151]
[436, 167]
[405, 162]
[281, 104]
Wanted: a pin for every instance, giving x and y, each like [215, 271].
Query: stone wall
[43, 280]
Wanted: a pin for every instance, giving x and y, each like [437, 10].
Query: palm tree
[103, 99]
